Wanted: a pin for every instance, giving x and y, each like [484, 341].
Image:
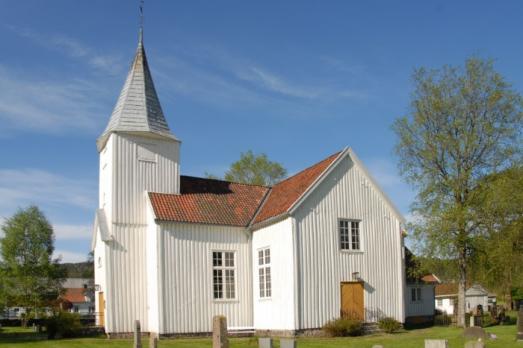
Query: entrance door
[352, 300]
[101, 309]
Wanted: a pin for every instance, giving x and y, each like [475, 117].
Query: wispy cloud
[72, 232]
[213, 74]
[29, 103]
[73, 48]
[20, 187]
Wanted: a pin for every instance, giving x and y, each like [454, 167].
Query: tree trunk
[462, 303]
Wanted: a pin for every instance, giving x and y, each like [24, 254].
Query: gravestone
[475, 344]
[137, 335]
[519, 336]
[472, 321]
[153, 341]
[436, 344]
[219, 332]
[288, 343]
[265, 342]
[377, 346]
[475, 332]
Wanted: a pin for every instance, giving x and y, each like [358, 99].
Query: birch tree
[464, 123]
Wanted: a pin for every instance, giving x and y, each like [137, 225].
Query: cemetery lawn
[17, 338]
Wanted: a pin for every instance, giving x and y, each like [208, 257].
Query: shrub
[63, 324]
[343, 327]
[389, 325]
[442, 320]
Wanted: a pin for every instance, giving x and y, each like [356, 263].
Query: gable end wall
[346, 192]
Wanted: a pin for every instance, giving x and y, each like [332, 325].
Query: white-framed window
[223, 275]
[415, 294]
[349, 231]
[264, 272]
[439, 302]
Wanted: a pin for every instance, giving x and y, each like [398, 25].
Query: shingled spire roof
[138, 108]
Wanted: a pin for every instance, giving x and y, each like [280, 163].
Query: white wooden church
[173, 251]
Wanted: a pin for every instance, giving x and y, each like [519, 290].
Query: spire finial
[140, 37]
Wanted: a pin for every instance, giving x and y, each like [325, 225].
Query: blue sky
[297, 80]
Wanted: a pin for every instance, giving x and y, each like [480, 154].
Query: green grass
[23, 338]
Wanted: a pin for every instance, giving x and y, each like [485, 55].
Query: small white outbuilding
[173, 251]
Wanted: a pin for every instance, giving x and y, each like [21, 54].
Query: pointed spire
[138, 108]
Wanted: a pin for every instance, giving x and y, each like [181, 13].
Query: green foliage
[389, 325]
[63, 325]
[343, 327]
[255, 169]
[464, 124]
[31, 278]
[442, 320]
[499, 212]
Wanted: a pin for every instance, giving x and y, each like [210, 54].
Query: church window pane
[224, 283]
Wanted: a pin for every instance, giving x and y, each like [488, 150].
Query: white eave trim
[317, 182]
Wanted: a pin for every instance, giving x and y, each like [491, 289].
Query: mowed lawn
[406, 339]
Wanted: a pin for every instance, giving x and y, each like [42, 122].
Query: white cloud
[53, 107]
[33, 186]
[68, 232]
[69, 256]
[213, 74]
[72, 48]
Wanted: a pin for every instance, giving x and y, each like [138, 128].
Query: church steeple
[138, 108]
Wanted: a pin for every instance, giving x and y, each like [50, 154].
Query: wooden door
[101, 309]
[352, 305]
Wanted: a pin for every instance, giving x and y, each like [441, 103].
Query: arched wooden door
[352, 300]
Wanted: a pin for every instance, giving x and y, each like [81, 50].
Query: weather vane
[141, 19]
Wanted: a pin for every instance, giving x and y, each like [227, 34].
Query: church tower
[138, 154]
[138, 151]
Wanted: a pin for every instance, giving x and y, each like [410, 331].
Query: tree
[32, 278]
[255, 169]
[500, 211]
[464, 124]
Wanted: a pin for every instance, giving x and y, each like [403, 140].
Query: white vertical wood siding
[100, 268]
[130, 166]
[133, 176]
[347, 193]
[277, 312]
[186, 277]
[424, 307]
[126, 291]
[152, 260]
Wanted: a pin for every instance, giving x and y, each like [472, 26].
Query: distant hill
[79, 270]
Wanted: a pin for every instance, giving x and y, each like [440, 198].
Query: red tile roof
[448, 289]
[74, 295]
[220, 202]
[209, 201]
[430, 278]
[285, 193]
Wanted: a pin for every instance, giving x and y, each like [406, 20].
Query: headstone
[219, 332]
[519, 336]
[475, 344]
[472, 321]
[288, 343]
[265, 342]
[436, 344]
[137, 335]
[153, 341]
[475, 332]
[377, 346]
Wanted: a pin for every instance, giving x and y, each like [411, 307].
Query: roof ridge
[309, 167]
